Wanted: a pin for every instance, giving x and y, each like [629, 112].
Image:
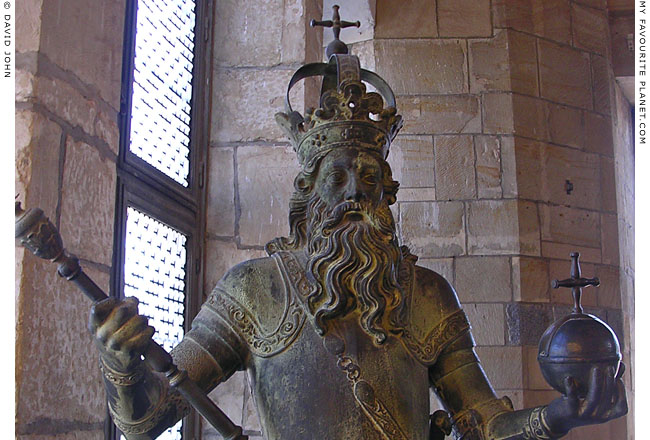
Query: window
[160, 194]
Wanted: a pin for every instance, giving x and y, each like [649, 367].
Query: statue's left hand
[605, 400]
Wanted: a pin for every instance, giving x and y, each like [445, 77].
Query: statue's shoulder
[435, 318]
[256, 300]
[432, 291]
[250, 277]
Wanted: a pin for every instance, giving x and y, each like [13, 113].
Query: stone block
[25, 83]
[565, 126]
[488, 166]
[411, 160]
[416, 195]
[67, 102]
[508, 167]
[246, 101]
[562, 251]
[88, 203]
[545, 18]
[221, 256]
[442, 114]
[502, 366]
[598, 134]
[442, 266]
[609, 240]
[530, 279]
[264, 213]
[529, 161]
[433, 229]
[38, 148]
[229, 396]
[492, 227]
[85, 38]
[423, 66]
[598, 4]
[416, 21]
[530, 117]
[498, 113]
[533, 378]
[51, 328]
[590, 29]
[295, 38]
[220, 205]
[562, 224]
[560, 270]
[237, 31]
[608, 184]
[601, 84]
[106, 128]
[522, 54]
[564, 75]
[581, 169]
[28, 25]
[464, 18]
[529, 228]
[533, 398]
[525, 323]
[251, 422]
[489, 64]
[487, 322]
[609, 291]
[483, 279]
[454, 163]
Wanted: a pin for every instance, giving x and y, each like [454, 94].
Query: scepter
[38, 235]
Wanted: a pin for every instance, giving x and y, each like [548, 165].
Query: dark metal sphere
[572, 346]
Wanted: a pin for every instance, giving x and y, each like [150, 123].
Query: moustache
[361, 211]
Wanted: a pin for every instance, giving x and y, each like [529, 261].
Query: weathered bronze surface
[576, 343]
[340, 332]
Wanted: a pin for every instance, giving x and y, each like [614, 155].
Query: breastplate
[340, 386]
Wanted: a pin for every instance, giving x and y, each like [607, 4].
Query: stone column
[67, 100]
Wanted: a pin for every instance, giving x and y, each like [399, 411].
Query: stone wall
[68, 67]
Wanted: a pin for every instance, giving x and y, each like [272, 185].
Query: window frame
[143, 187]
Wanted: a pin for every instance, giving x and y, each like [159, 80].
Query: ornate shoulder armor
[269, 338]
[428, 349]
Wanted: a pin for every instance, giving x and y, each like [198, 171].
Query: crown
[349, 115]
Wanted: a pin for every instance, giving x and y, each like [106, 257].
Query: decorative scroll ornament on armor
[348, 115]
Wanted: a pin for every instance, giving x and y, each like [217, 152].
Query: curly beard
[354, 263]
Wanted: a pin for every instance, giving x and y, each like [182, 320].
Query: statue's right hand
[121, 334]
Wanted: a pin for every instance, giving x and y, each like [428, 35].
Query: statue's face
[348, 174]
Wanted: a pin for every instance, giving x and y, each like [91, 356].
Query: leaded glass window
[162, 86]
[163, 132]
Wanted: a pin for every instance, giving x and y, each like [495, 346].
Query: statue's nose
[354, 191]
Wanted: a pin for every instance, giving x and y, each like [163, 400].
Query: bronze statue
[340, 332]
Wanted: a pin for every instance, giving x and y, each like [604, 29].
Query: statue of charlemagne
[341, 333]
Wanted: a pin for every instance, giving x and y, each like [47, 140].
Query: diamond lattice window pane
[162, 86]
[154, 272]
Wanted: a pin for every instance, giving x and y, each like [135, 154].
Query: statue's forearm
[524, 424]
[142, 404]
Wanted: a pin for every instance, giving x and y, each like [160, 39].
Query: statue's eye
[336, 178]
[370, 179]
